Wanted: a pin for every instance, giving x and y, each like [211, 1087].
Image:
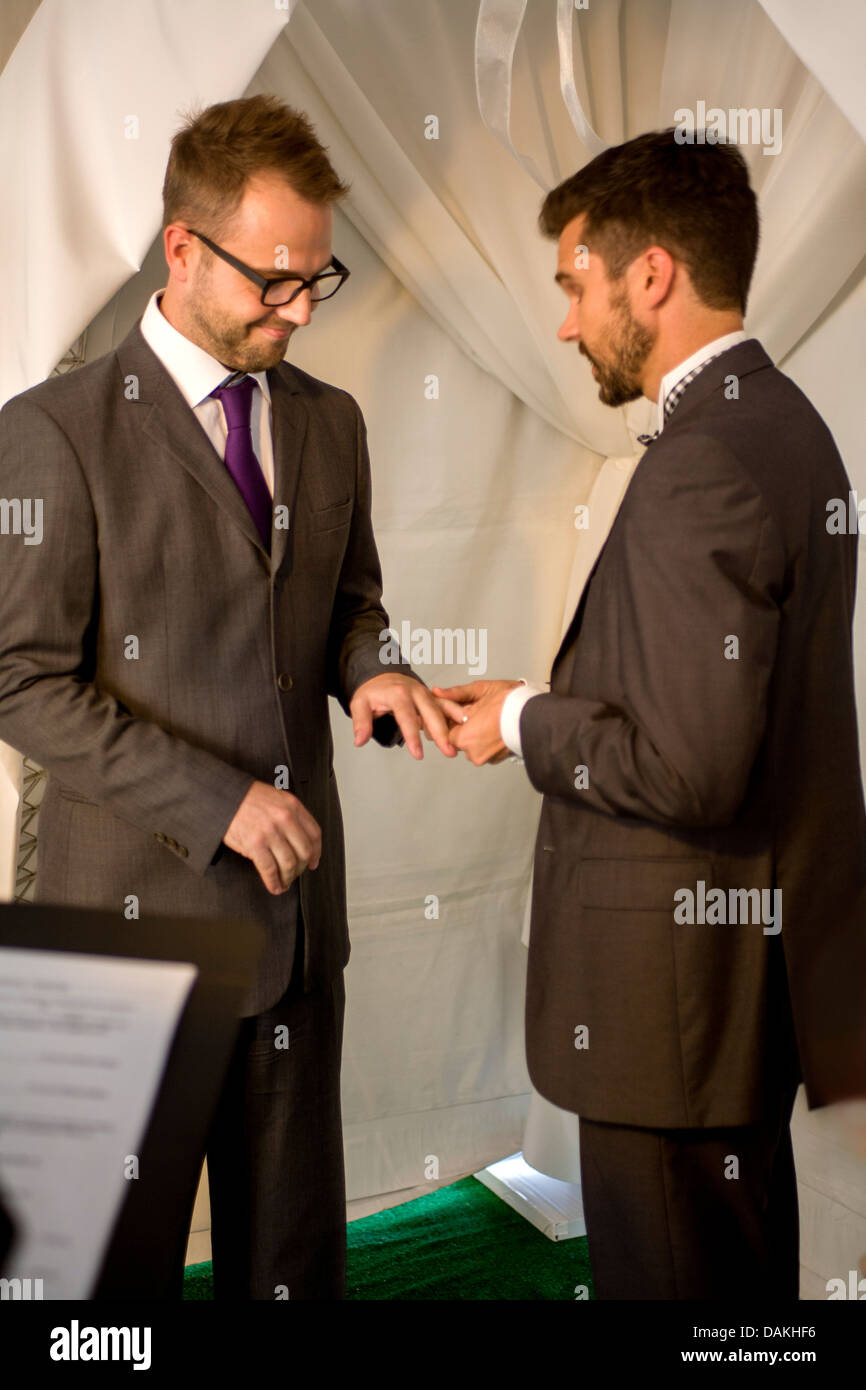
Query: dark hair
[218, 149]
[695, 200]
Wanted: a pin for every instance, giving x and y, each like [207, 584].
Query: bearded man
[699, 895]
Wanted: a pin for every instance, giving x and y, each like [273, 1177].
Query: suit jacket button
[284, 681]
[159, 835]
[183, 851]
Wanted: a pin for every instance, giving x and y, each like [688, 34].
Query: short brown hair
[218, 149]
[695, 200]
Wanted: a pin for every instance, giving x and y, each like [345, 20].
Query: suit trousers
[275, 1152]
[670, 1215]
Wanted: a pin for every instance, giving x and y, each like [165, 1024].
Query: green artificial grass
[461, 1242]
[198, 1281]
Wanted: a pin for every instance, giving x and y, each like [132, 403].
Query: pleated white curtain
[641, 62]
[832, 50]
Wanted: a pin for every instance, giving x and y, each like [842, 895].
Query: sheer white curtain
[831, 48]
[374, 76]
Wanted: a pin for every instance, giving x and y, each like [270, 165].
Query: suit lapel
[167, 419]
[738, 361]
[569, 637]
[603, 505]
[289, 424]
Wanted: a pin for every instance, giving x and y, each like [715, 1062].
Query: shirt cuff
[509, 717]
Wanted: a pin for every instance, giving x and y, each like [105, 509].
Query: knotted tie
[240, 458]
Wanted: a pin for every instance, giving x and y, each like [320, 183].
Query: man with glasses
[279, 289]
[208, 576]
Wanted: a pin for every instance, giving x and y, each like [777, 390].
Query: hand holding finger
[463, 694]
[456, 713]
[435, 725]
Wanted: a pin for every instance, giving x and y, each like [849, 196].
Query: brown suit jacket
[149, 752]
[728, 763]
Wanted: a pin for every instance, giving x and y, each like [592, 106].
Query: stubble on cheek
[227, 338]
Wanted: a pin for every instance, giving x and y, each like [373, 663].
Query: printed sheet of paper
[83, 1044]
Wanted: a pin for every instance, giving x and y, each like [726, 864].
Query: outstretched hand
[474, 713]
[412, 706]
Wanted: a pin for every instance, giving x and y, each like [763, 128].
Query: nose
[568, 329]
[299, 311]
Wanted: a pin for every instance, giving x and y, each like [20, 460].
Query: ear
[653, 274]
[179, 250]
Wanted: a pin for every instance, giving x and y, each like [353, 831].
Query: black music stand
[145, 1253]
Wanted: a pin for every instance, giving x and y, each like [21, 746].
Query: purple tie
[240, 458]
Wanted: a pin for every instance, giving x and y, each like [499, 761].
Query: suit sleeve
[694, 613]
[358, 618]
[51, 707]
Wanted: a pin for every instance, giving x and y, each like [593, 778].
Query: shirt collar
[195, 372]
[669, 381]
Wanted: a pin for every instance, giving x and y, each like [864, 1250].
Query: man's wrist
[512, 707]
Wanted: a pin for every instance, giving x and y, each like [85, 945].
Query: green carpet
[461, 1242]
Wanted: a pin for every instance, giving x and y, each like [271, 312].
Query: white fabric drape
[89, 100]
[831, 43]
[640, 64]
[812, 194]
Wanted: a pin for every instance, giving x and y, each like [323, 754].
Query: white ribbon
[564, 37]
[496, 34]
[499, 24]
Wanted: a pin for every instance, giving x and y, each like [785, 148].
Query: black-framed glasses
[287, 287]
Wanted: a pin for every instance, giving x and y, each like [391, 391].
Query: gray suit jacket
[728, 763]
[156, 661]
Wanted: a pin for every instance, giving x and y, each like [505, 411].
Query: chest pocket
[332, 517]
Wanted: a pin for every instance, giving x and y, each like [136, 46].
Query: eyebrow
[562, 275]
[292, 276]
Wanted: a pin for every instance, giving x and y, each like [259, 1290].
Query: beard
[231, 341]
[629, 344]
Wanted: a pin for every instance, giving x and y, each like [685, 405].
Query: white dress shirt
[196, 374]
[668, 382]
[509, 718]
